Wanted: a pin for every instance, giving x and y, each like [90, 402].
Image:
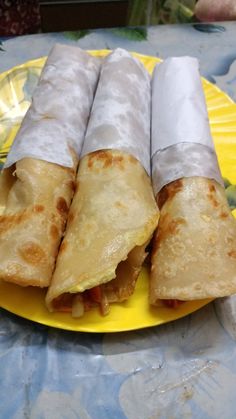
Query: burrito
[38, 179]
[194, 248]
[113, 213]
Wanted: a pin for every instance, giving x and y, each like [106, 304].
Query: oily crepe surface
[194, 253]
[32, 224]
[113, 211]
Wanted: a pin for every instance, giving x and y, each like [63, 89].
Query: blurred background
[19, 17]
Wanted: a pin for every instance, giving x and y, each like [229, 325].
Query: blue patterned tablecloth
[184, 369]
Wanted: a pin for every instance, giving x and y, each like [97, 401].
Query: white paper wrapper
[182, 145]
[57, 118]
[184, 160]
[120, 117]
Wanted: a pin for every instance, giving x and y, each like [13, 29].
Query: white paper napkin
[120, 117]
[181, 142]
[57, 118]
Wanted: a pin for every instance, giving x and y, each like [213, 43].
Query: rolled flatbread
[194, 247]
[113, 214]
[38, 180]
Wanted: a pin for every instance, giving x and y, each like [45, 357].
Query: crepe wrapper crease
[113, 214]
[38, 179]
[194, 248]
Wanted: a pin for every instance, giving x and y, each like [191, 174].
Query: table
[184, 369]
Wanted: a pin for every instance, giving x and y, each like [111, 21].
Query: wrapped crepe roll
[39, 175]
[113, 213]
[194, 250]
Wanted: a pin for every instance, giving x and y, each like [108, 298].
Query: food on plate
[194, 248]
[38, 179]
[113, 213]
[194, 253]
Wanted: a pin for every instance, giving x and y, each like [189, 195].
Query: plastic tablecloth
[184, 369]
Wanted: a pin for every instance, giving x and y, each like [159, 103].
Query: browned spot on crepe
[54, 233]
[38, 208]
[212, 195]
[71, 217]
[118, 160]
[211, 187]
[90, 162]
[167, 227]
[63, 246]
[213, 200]
[76, 186]
[168, 192]
[107, 158]
[32, 253]
[224, 214]
[232, 254]
[96, 155]
[70, 170]
[62, 206]
[11, 220]
[72, 185]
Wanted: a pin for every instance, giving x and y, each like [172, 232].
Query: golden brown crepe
[113, 213]
[112, 217]
[37, 182]
[37, 200]
[194, 251]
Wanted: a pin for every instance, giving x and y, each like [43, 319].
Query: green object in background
[138, 12]
[134, 34]
[227, 183]
[231, 196]
[76, 35]
[153, 12]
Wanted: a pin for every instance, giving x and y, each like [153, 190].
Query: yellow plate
[16, 86]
